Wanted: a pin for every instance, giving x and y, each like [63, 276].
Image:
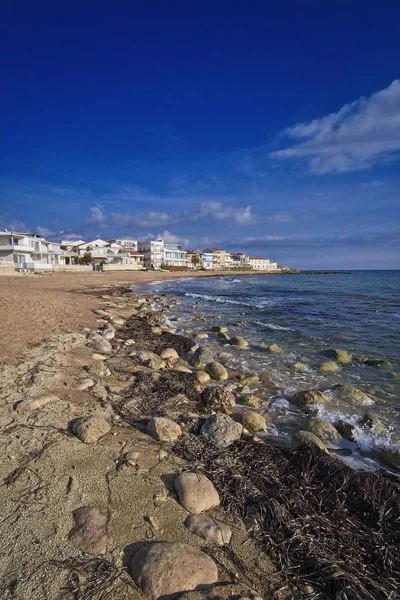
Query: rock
[182, 369]
[354, 395]
[302, 438]
[253, 421]
[201, 357]
[341, 356]
[101, 346]
[196, 493]
[96, 356]
[201, 335]
[378, 362]
[169, 354]
[156, 330]
[108, 332]
[329, 366]
[202, 377]
[98, 370]
[221, 430]
[89, 533]
[249, 379]
[278, 441]
[83, 383]
[162, 569]
[299, 366]
[324, 430]
[274, 348]
[129, 342]
[238, 341]
[219, 329]
[251, 400]
[150, 359]
[89, 429]
[217, 398]
[210, 530]
[163, 430]
[216, 371]
[310, 397]
[373, 422]
[102, 313]
[117, 321]
[35, 403]
[223, 591]
[346, 429]
[224, 336]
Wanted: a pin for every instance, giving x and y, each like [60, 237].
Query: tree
[86, 259]
[195, 260]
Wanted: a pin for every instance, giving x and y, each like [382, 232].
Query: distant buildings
[262, 264]
[175, 256]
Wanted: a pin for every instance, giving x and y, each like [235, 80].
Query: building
[125, 243]
[153, 252]
[208, 258]
[239, 260]
[262, 264]
[137, 258]
[220, 259]
[175, 255]
[29, 251]
[194, 260]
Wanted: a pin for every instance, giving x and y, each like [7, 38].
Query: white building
[29, 251]
[128, 243]
[175, 255]
[153, 252]
[262, 264]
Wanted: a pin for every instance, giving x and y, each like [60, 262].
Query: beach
[81, 499]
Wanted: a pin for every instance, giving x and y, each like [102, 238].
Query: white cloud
[43, 231]
[220, 211]
[151, 219]
[96, 215]
[358, 136]
[171, 238]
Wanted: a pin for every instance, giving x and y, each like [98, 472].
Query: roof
[258, 258]
[134, 253]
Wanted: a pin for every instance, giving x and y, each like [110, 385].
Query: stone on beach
[216, 371]
[306, 438]
[182, 369]
[324, 430]
[329, 366]
[251, 400]
[149, 359]
[89, 533]
[354, 395]
[98, 369]
[210, 530]
[163, 569]
[219, 329]
[96, 356]
[217, 398]
[196, 493]
[238, 341]
[108, 332]
[253, 421]
[117, 321]
[346, 429]
[310, 397]
[169, 354]
[101, 346]
[201, 357]
[221, 431]
[163, 429]
[201, 335]
[373, 422]
[341, 356]
[274, 349]
[35, 403]
[202, 377]
[89, 429]
[83, 383]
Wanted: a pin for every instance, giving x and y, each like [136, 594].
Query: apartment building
[29, 251]
[175, 255]
[128, 243]
[262, 264]
[153, 252]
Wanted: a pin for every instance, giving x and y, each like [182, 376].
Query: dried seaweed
[138, 329]
[318, 520]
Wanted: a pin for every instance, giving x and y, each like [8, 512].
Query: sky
[271, 128]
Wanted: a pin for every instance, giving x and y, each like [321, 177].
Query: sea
[308, 316]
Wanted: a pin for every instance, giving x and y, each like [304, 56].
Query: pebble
[253, 421]
[101, 346]
[96, 356]
[89, 429]
[163, 429]
[169, 354]
[221, 430]
[35, 403]
[218, 398]
[238, 341]
[98, 369]
[89, 533]
[196, 493]
[310, 397]
[202, 377]
[210, 530]
[162, 569]
[83, 383]
[329, 366]
[216, 371]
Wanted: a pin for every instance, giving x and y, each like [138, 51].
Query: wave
[272, 326]
[220, 300]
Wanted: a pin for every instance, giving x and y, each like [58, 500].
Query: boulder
[150, 359]
[300, 366]
[183, 369]
[224, 336]
[341, 356]
[274, 348]
[373, 422]
[329, 366]
[221, 431]
[306, 438]
[163, 569]
[251, 400]
[202, 377]
[201, 357]
[169, 354]
[253, 421]
[216, 371]
[201, 335]
[98, 369]
[345, 429]
[210, 530]
[163, 429]
[89, 533]
[101, 346]
[219, 329]
[378, 362]
[89, 429]
[310, 397]
[354, 395]
[324, 430]
[238, 341]
[108, 332]
[196, 493]
[217, 398]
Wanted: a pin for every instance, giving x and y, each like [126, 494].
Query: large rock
[306, 438]
[219, 329]
[202, 377]
[253, 421]
[163, 569]
[217, 398]
[274, 349]
[169, 354]
[210, 530]
[310, 397]
[201, 357]
[150, 359]
[221, 430]
[89, 533]
[89, 429]
[354, 395]
[108, 332]
[346, 429]
[329, 366]
[341, 356]
[378, 362]
[101, 346]
[373, 422]
[98, 369]
[324, 430]
[238, 341]
[216, 371]
[196, 493]
[164, 430]
[251, 400]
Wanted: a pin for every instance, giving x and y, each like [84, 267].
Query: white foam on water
[272, 326]
[228, 301]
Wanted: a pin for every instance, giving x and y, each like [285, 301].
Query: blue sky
[272, 128]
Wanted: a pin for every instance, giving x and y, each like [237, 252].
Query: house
[128, 243]
[208, 258]
[239, 260]
[175, 255]
[137, 258]
[153, 251]
[29, 251]
[194, 260]
[262, 264]
[220, 260]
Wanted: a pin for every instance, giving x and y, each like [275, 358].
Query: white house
[262, 264]
[29, 251]
[153, 252]
[208, 258]
[175, 255]
[128, 243]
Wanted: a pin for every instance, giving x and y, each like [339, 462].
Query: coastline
[55, 364]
